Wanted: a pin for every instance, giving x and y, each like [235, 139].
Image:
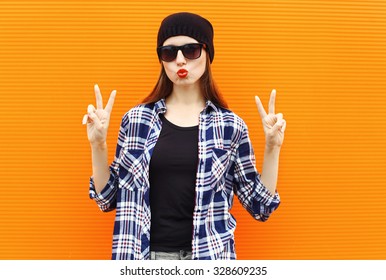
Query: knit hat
[187, 24]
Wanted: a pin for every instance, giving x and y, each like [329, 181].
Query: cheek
[168, 70]
[199, 68]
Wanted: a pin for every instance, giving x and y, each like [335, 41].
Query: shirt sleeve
[107, 198]
[251, 192]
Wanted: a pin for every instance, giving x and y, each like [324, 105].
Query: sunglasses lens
[192, 51]
[168, 54]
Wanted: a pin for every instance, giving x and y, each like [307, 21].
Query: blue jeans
[181, 255]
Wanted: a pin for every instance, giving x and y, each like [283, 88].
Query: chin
[186, 81]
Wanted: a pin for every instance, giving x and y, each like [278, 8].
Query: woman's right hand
[98, 119]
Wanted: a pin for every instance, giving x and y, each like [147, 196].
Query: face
[184, 71]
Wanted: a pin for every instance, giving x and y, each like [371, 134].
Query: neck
[186, 95]
[184, 105]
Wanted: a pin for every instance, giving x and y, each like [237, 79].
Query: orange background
[327, 60]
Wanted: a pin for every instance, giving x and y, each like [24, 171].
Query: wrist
[272, 148]
[101, 146]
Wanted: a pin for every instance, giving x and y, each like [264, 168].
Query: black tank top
[172, 175]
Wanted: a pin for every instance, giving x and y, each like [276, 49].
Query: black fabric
[187, 24]
[173, 169]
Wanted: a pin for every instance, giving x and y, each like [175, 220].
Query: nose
[180, 59]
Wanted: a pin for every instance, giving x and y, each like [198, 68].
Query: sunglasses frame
[177, 48]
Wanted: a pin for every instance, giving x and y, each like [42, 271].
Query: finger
[260, 107]
[90, 109]
[110, 103]
[91, 115]
[98, 96]
[271, 105]
[279, 116]
[85, 118]
[95, 120]
[283, 126]
[278, 126]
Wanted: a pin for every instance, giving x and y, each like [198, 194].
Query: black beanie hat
[187, 24]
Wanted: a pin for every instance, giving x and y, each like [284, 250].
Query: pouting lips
[182, 73]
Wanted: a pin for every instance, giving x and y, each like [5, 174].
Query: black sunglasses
[190, 51]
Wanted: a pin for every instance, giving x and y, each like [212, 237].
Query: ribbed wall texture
[326, 59]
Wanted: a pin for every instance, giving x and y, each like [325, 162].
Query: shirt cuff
[265, 197]
[106, 192]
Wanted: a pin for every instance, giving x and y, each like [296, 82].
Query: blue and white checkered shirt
[226, 167]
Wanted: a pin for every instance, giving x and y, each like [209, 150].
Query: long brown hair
[164, 88]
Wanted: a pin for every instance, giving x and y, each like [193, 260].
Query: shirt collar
[210, 105]
[160, 106]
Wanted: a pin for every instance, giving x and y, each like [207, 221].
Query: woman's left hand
[273, 124]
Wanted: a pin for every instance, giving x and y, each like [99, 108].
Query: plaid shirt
[226, 167]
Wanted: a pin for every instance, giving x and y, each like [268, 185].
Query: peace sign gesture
[98, 119]
[273, 124]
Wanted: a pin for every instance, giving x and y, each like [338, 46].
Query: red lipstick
[182, 73]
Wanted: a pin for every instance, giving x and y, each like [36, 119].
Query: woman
[181, 156]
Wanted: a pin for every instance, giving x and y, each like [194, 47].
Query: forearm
[100, 166]
[270, 169]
